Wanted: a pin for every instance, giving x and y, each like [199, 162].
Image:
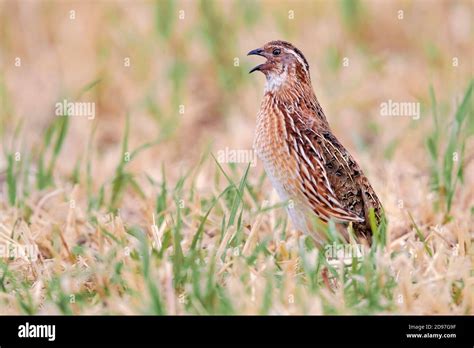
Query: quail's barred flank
[305, 162]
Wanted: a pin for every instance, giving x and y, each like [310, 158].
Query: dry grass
[170, 230]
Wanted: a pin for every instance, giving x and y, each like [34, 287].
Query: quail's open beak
[256, 52]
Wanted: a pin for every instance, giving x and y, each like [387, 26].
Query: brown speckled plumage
[305, 162]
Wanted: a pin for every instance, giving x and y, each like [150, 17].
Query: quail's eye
[276, 52]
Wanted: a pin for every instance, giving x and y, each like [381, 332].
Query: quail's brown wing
[350, 185]
[314, 182]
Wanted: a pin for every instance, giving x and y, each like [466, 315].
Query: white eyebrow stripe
[297, 56]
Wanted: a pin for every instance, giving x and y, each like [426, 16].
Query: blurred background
[179, 69]
[193, 53]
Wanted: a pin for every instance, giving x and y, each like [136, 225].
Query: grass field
[138, 208]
